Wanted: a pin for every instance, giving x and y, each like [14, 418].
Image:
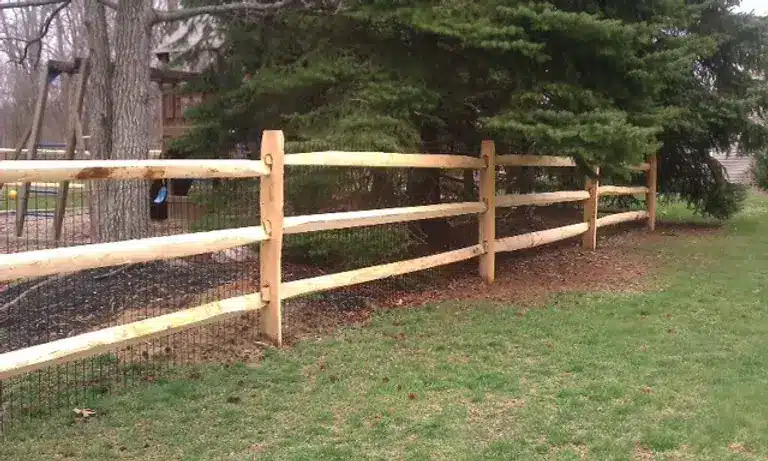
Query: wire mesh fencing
[45, 309]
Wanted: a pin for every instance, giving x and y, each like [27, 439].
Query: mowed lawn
[40, 201]
[676, 373]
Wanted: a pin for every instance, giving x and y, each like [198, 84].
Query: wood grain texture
[67, 170]
[75, 117]
[622, 190]
[22, 200]
[75, 258]
[622, 218]
[650, 196]
[344, 220]
[368, 274]
[487, 220]
[534, 239]
[153, 153]
[589, 240]
[271, 206]
[97, 342]
[534, 160]
[384, 159]
[539, 199]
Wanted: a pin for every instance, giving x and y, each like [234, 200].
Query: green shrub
[724, 201]
[348, 248]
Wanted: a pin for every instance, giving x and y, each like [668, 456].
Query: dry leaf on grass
[84, 412]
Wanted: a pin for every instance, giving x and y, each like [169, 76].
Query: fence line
[66, 170]
[81, 257]
[619, 190]
[270, 234]
[622, 218]
[369, 274]
[540, 199]
[153, 153]
[534, 239]
[347, 219]
[97, 342]
[383, 159]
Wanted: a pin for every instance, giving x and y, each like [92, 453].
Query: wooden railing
[274, 225]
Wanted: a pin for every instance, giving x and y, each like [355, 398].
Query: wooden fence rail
[540, 199]
[274, 225]
[76, 258]
[344, 220]
[67, 170]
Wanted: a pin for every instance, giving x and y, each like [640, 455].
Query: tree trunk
[120, 117]
[521, 180]
[469, 189]
[128, 201]
[100, 110]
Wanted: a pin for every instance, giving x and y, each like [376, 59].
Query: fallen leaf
[84, 412]
[412, 396]
[736, 447]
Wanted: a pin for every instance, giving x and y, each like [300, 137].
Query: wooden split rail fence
[274, 225]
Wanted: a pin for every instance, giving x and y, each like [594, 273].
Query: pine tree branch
[187, 13]
[30, 3]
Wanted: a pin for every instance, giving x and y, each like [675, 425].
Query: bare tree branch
[29, 3]
[43, 32]
[186, 13]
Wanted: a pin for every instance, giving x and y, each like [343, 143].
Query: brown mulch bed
[624, 262]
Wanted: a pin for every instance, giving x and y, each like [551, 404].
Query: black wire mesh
[44, 309]
[36, 311]
[312, 190]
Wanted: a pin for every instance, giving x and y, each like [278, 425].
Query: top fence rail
[383, 159]
[534, 160]
[269, 235]
[67, 170]
[54, 170]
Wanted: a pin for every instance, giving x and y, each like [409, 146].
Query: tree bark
[128, 201]
[100, 109]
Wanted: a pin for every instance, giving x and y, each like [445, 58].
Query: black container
[157, 211]
[181, 186]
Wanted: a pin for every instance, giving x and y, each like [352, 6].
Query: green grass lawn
[75, 198]
[679, 373]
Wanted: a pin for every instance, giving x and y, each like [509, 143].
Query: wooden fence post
[22, 201]
[650, 198]
[487, 219]
[590, 213]
[271, 209]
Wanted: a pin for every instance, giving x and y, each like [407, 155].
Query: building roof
[200, 34]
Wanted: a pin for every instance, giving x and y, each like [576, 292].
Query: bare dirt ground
[76, 230]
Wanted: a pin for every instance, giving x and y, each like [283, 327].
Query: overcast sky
[759, 6]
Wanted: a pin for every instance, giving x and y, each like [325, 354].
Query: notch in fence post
[487, 219]
[589, 241]
[650, 198]
[271, 203]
